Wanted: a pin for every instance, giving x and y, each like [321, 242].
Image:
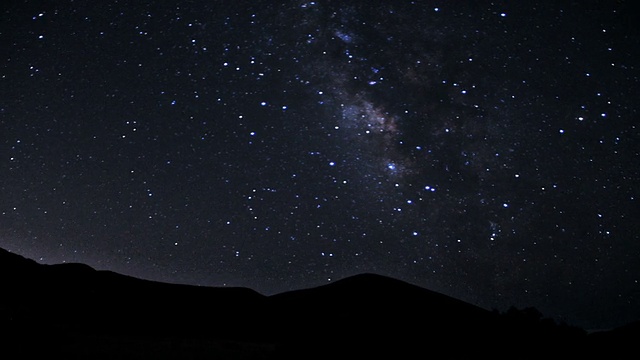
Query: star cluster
[485, 150]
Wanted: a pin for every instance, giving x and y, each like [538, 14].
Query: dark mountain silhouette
[75, 311]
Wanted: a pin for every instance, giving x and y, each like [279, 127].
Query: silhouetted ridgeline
[75, 311]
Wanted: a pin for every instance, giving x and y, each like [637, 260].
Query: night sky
[486, 150]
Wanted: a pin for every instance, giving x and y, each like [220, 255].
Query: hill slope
[74, 310]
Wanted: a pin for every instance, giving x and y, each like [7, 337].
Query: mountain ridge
[362, 314]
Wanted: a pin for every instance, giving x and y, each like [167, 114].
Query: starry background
[485, 150]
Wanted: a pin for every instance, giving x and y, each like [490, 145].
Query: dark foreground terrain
[74, 311]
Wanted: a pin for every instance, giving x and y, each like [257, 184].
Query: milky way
[484, 150]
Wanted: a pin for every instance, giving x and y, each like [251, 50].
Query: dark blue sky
[485, 150]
